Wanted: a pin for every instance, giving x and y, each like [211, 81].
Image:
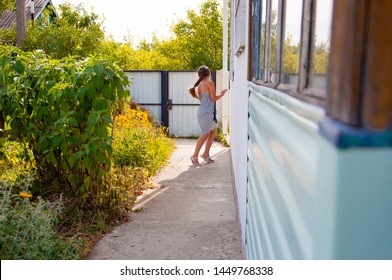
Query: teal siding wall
[307, 199]
[282, 168]
[354, 204]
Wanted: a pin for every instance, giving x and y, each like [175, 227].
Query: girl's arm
[211, 88]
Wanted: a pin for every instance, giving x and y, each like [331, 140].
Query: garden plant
[70, 141]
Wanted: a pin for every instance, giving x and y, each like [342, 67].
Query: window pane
[274, 29]
[262, 43]
[322, 43]
[292, 39]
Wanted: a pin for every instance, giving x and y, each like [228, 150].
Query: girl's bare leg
[210, 140]
[199, 144]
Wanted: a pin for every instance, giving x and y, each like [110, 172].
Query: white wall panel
[146, 86]
[238, 133]
[179, 82]
[183, 118]
[183, 121]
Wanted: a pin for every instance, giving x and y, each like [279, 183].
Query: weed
[138, 210]
[221, 138]
[28, 228]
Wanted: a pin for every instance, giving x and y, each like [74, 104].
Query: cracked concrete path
[191, 216]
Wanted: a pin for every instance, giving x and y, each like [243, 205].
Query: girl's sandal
[207, 159]
[195, 161]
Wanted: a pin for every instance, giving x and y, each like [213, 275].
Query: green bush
[126, 184]
[28, 229]
[14, 160]
[62, 110]
[140, 144]
[60, 117]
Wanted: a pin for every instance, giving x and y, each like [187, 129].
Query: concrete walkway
[190, 216]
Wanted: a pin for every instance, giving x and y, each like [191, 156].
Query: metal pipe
[32, 9]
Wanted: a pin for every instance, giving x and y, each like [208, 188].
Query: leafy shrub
[126, 183]
[14, 160]
[28, 228]
[60, 113]
[138, 143]
[62, 109]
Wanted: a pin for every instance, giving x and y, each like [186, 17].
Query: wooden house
[311, 127]
[8, 19]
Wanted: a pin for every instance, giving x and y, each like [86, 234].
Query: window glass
[321, 44]
[292, 39]
[274, 30]
[262, 37]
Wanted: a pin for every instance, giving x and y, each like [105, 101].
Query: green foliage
[291, 55]
[6, 5]
[28, 228]
[139, 144]
[8, 36]
[126, 184]
[321, 56]
[121, 54]
[220, 137]
[73, 32]
[137, 59]
[291, 50]
[14, 159]
[197, 40]
[62, 109]
[142, 148]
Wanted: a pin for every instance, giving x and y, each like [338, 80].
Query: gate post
[165, 97]
[213, 76]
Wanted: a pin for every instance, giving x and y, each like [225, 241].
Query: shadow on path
[190, 216]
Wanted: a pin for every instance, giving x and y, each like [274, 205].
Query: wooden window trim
[345, 61]
[361, 64]
[305, 57]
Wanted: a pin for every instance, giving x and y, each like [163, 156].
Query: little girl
[205, 114]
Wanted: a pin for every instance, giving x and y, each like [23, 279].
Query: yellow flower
[25, 195]
[87, 250]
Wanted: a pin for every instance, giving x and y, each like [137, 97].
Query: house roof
[9, 18]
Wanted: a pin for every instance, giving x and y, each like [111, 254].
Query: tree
[122, 54]
[198, 39]
[74, 32]
[7, 36]
[195, 41]
[321, 56]
[291, 51]
[6, 5]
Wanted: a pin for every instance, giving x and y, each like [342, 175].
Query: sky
[139, 18]
[323, 18]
